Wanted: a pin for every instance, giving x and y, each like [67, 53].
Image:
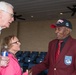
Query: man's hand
[30, 72]
[4, 61]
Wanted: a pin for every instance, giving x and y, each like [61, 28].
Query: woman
[13, 46]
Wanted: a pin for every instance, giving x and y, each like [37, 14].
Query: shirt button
[54, 68]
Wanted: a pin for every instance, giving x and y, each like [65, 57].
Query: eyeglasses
[16, 42]
[12, 15]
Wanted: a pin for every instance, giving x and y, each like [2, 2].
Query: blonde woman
[12, 44]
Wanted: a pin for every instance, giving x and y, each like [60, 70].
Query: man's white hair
[4, 5]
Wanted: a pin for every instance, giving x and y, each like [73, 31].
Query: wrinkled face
[62, 32]
[6, 18]
[14, 45]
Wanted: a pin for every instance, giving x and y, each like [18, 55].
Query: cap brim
[52, 26]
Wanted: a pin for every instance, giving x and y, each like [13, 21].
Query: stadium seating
[27, 59]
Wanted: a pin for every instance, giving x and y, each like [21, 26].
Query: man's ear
[68, 30]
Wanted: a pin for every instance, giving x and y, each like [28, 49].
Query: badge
[68, 60]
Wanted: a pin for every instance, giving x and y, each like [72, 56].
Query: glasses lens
[15, 42]
[12, 15]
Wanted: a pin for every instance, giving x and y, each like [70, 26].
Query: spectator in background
[6, 18]
[61, 62]
[12, 45]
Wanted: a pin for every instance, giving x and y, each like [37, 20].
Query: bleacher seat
[35, 52]
[28, 59]
[39, 60]
[19, 53]
[20, 58]
[26, 53]
[21, 64]
[43, 53]
[31, 65]
[45, 71]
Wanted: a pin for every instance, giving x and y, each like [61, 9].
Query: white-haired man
[6, 18]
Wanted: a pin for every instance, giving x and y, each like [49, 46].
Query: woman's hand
[4, 61]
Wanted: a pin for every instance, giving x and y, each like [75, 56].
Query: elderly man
[6, 18]
[61, 55]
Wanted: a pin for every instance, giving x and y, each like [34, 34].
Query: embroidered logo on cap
[60, 21]
[67, 24]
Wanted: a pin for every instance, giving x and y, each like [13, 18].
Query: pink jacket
[13, 67]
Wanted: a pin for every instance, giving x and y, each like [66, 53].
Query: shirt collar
[64, 40]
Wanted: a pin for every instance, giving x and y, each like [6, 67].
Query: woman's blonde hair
[6, 42]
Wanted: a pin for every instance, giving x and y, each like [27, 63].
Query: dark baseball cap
[62, 22]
